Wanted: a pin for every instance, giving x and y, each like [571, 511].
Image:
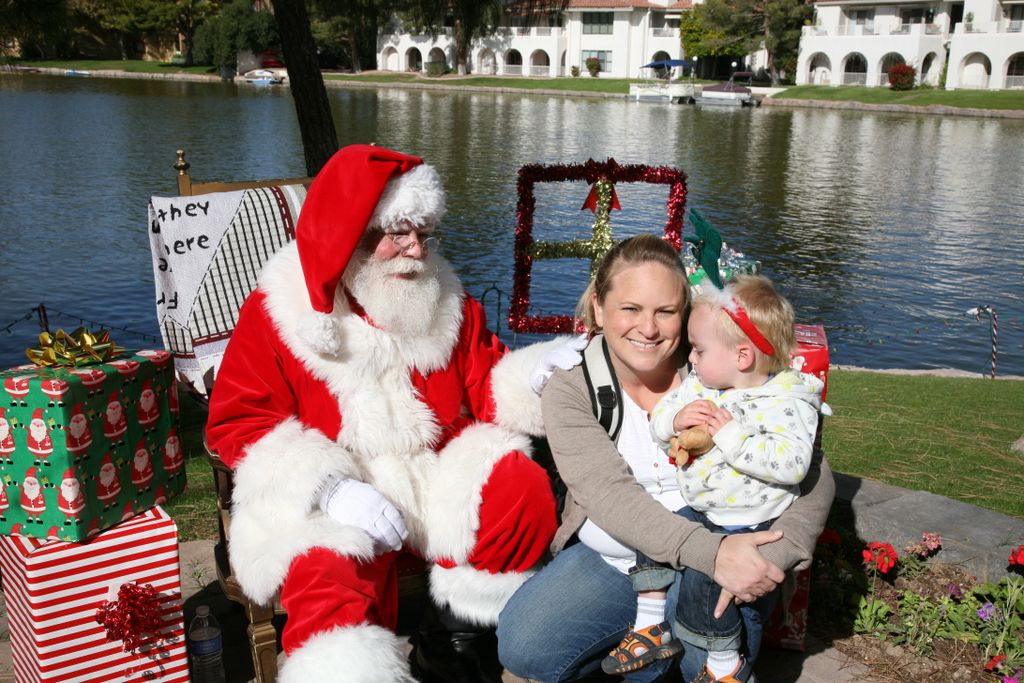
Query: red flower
[995, 663]
[882, 555]
[831, 537]
[1017, 556]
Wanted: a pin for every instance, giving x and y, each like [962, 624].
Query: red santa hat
[140, 446]
[37, 414]
[69, 474]
[53, 534]
[107, 460]
[361, 188]
[113, 398]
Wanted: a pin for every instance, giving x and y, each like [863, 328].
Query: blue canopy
[668, 64]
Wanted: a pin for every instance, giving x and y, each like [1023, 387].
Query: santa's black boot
[447, 649]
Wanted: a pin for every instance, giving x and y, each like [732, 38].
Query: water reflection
[885, 227]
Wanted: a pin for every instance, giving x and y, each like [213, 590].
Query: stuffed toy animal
[690, 444]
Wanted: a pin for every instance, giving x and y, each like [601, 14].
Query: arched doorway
[513, 63]
[1015, 72]
[413, 59]
[975, 71]
[540, 65]
[855, 69]
[889, 61]
[389, 59]
[819, 69]
[437, 56]
[929, 73]
[486, 62]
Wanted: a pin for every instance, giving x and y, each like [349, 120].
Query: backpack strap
[603, 385]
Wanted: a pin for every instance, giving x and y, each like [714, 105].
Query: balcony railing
[1014, 82]
[884, 80]
[512, 70]
[664, 32]
[855, 79]
[539, 70]
[856, 30]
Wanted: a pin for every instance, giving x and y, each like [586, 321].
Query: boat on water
[77, 72]
[659, 86]
[262, 77]
[729, 93]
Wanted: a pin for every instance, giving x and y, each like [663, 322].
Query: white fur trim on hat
[354, 654]
[319, 332]
[416, 196]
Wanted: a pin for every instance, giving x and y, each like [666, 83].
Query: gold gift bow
[81, 347]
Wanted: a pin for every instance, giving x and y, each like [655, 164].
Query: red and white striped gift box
[53, 590]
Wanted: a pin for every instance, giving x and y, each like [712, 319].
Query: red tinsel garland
[590, 171]
[133, 616]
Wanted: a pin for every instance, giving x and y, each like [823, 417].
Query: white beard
[400, 307]
[147, 400]
[141, 460]
[107, 474]
[69, 490]
[5, 429]
[31, 488]
[37, 428]
[114, 413]
[77, 426]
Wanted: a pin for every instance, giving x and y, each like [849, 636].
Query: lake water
[886, 228]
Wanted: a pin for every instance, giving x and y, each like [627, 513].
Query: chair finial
[181, 165]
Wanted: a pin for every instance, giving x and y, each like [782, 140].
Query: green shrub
[593, 66]
[575, 71]
[902, 76]
[435, 69]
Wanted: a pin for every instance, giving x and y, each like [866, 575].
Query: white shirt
[652, 469]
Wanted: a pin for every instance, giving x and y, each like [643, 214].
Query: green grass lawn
[129, 65]
[619, 86]
[950, 436]
[981, 99]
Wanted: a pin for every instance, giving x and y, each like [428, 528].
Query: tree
[218, 40]
[123, 17]
[38, 26]
[185, 17]
[749, 25]
[348, 27]
[319, 138]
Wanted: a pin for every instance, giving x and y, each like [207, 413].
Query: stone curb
[936, 109]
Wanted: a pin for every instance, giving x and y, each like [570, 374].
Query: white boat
[728, 94]
[659, 86]
[262, 77]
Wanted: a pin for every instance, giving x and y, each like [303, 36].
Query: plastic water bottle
[206, 646]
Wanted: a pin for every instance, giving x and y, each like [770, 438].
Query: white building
[623, 34]
[855, 42]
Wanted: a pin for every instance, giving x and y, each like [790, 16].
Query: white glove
[352, 502]
[567, 356]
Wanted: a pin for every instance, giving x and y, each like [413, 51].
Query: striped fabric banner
[53, 590]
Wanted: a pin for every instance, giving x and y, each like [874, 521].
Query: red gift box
[54, 589]
[787, 627]
[812, 352]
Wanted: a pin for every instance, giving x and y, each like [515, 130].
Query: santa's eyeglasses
[405, 241]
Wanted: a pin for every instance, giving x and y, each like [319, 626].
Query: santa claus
[32, 500]
[38, 440]
[366, 409]
[147, 410]
[108, 484]
[55, 388]
[78, 433]
[7, 446]
[142, 469]
[17, 388]
[114, 422]
[71, 500]
[4, 503]
[92, 379]
[173, 459]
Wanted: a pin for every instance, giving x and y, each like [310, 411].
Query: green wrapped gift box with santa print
[83, 448]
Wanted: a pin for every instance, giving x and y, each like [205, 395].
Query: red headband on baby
[740, 317]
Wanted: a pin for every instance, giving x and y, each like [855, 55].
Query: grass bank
[974, 99]
[128, 65]
[583, 84]
[949, 436]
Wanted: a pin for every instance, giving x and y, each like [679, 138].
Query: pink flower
[931, 541]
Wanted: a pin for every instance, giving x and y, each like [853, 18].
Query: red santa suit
[142, 467]
[17, 387]
[71, 500]
[108, 484]
[78, 433]
[173, 459]
[32, 500]
[38, 439]
[434, 421]
[148, 409]
[114, 422]
[4, 503]
[6, 438]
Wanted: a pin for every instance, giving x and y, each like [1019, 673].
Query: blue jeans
[562, 622]
[695, 623]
